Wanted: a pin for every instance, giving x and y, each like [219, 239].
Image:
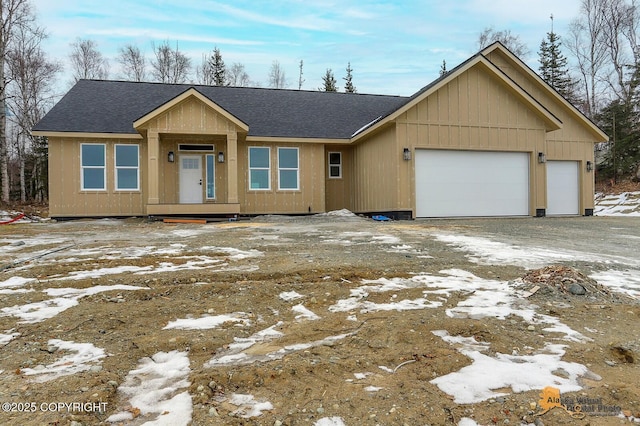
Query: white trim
[296, 169]
[206, 175]
[339, 165]
[268, 169]
[103, 167]
[116, 168]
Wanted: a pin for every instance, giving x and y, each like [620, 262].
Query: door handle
[200, 182]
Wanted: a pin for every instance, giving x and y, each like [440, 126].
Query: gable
[501, 84]
[576, 125]
[190, 112]
[478, 97]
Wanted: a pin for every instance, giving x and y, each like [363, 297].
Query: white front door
[190, 179]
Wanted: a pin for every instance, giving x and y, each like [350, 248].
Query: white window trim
[83, 167]
[268, 169]
[339, 165]
[206, 176]
[116, 167]
[297, 169]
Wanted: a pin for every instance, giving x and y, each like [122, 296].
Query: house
[489, 138]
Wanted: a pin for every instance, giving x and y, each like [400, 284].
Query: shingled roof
[104, 106]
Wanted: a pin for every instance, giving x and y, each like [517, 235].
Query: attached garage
[471, 183]
[563, 188]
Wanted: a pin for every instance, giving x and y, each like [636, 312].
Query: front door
[190, 179]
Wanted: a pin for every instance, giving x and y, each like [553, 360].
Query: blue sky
[394, 47]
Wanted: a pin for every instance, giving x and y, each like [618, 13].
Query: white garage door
[563, 188]
[471, 183]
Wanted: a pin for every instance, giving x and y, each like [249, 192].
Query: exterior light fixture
[171, 157]
[542, 158]
[221, 157]
[589, 166]
[406, 154]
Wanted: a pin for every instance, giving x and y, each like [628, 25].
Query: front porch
[206, 209]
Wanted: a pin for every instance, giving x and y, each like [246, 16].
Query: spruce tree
[348, 85]
[328, 82]
[443, 68]
[553, 67]
[218, 68]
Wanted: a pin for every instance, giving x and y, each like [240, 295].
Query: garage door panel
[563, 188]
[471, 183]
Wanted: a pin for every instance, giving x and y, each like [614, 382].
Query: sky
[394, 47]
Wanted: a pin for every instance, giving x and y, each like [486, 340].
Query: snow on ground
[208, 321]
[304, 313]
[330, 421]
[289, 296]
[627, 281]
[488, 252]
[476, 382]
[82, 356]
[248, 406]
[158, 387]
[69, 297]
[625, 204]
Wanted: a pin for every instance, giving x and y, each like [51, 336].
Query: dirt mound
[565, 282]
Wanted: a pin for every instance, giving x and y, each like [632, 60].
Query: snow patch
[158, 388]
[208, 322]
[82, 355]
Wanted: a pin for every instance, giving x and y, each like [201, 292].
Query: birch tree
[133, 63]
[14, 15]
[87, 62]
[277, 77]
[31, 94]
[170, 65]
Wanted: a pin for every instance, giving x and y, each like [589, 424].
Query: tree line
[603, 81]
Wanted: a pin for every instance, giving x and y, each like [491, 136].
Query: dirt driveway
[325, 320]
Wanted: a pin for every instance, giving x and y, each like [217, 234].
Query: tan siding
[338, 190]
[66, 196]
[473, 111]
[375, 169]
[310, 197]
[192, 117]
[574, 141]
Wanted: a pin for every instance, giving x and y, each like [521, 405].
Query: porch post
[153, 147]
[232, 167]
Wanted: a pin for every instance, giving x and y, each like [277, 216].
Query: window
[127, 168]
[288, 168]
[211, 177]
[335, 165]
[259, 168]
[92, 160]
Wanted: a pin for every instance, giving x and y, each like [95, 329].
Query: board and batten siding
[473, 112]
[339, 194]
[309, 198]
[66, 197]
[573, 142]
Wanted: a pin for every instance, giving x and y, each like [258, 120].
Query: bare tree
[237, 76]
[170, 65]
[512, 42]
[14, 15]
[86, 61]
[585, 44]
[133, 62]
[277, 77]
[31, 94]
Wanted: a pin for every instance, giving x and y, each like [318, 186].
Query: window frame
[296, 169]
[339, 165]
[103, 167]
[251, 169]
[117, 168]
[212, 176]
